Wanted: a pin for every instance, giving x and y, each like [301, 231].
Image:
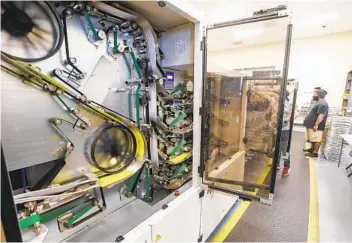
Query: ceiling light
[323, 18]
[247, 33]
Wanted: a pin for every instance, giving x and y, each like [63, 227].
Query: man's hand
[315, 128]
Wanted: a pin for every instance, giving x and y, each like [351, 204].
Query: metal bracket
[200, 238]
[269, 200]
[205, 29]
[120, 238]
[201, 193]
[270, 10]
[199, 170]
[202, 45]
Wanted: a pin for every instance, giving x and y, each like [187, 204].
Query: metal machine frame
[212, 204]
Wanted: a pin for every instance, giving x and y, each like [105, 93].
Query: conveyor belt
[287, 219]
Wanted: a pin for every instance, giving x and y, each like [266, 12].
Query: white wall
[316, 61]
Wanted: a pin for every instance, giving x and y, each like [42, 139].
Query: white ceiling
[308, 19]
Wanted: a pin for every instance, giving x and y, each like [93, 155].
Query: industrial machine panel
[94, 137]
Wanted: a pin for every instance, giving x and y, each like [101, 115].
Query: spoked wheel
[113, 149]
[30, 30]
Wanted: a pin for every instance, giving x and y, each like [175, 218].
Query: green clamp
[178, 147]
[178, 88]
[178, 118]
[179, 170]
[78, 215]
[29, 221]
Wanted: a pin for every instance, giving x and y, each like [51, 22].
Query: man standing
[315, 122]
[314, 100]
[285, 135]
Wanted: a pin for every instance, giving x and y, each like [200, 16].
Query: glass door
[245, 74]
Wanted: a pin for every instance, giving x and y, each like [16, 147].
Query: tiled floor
[287, 219]
[335, 201]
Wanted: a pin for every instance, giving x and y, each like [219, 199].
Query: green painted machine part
[179, 170]
[115, 42]
[78, 215]
[127, 64]
[136, 66]
[50, 215]
[131, 182]
[178, 88]
[29, 221]
[54, 213]
[138, 119]
[91, 26]
[178, 147]
[147, 184]
[178, 118]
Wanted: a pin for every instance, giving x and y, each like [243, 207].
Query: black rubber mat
[287, 219]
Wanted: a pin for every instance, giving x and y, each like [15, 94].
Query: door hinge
[119, 238]
[200, 172]
[202, 45]
[200, 238]
[269, 200]
[201, 193]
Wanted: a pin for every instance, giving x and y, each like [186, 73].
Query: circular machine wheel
[31, 31]
[113, 149]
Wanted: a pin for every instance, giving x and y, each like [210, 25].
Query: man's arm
[322, 111]
[318, 121]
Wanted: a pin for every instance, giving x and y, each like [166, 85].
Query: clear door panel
[224, 121]
[242, 93]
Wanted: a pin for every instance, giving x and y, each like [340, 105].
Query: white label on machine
[181, 47]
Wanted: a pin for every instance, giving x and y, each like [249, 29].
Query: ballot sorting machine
[114, 129]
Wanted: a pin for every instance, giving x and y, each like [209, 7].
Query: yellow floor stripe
[236, 216]
[307, 146]
[313, 223]
[231, 223]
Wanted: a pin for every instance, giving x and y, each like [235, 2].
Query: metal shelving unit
[347, 102]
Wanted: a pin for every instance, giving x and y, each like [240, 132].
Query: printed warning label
[181, 47]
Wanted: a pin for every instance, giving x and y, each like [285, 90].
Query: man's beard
[315, 97]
